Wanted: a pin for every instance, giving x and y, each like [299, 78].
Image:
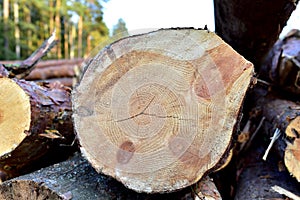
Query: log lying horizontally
[34, 120]
[157, 111]
[256, 177]
[283, 115]
[65, 71]
[75, 179]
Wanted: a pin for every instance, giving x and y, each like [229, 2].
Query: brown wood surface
[34, 121]
[75, 179]
[157, 111]
[66, 81]
[52, 72]
[252, 27]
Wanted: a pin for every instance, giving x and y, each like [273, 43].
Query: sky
[145, 15]
[142, 15]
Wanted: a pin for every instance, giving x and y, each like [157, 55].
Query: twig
[246, 146]
[285, 192]
[21, 70]
[263, 82]
[274, 138]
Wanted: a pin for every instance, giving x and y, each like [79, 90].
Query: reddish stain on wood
[201, 89]
[1, 116]
[125, 152]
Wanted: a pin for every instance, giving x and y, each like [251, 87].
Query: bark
[284, 115]
[257, 177]
[17, 29]
[66, 81]
[35, 126]
[158, 114]
[76, 179]
[52, 63]
[6, 27]
[72, 41]
[65, 71]
[22, 69]
[251, 27]
[66, 38]
[58, 27]
[281, 67]
[80, 36]
[52, 72]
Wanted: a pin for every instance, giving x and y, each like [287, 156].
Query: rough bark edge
[76, 179]
[51, 134]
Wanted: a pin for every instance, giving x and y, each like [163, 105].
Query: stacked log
[64, 71]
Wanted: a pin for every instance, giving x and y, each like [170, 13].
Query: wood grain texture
[157, 111]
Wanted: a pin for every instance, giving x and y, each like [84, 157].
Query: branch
[22, 69]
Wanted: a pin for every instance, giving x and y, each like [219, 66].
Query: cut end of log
[157, 111]
[292, 153]
[15, 115]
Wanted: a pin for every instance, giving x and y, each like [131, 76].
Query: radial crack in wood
[157, 111]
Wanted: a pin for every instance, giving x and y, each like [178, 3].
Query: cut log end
[292, 153]
[157, 114]
[35, 122]
[15, 115]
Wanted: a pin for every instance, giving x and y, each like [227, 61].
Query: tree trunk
[58, 27]
[66, 38]
[157, 111]
[80, 30]
[75, 179]
[6, 27]
[29, 31]
[51, 15]
[252, 27]
[72, 41]
[17, 29]
[34, 121]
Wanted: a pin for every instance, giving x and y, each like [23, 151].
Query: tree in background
[24, 25]
[120, 30]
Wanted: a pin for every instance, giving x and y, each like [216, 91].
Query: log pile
[50, 71]
[35, 120]
[175, 111]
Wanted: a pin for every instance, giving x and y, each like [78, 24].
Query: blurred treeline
[25, 24]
